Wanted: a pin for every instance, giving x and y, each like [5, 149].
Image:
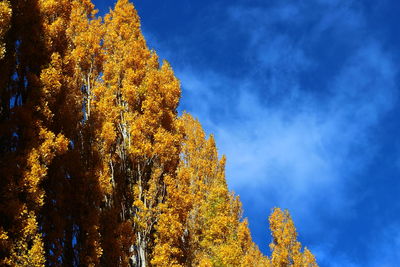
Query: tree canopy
[97, 168]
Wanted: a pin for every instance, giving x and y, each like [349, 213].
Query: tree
[251, 255]
[201, 222]
[96, 166]
[286, 250]
[138, 134]
[29, 141]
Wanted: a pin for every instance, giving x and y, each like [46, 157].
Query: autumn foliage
[96, 166]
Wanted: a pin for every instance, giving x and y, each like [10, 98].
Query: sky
[303, 99]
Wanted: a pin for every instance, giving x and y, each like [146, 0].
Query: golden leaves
[200, 222]
[132, 183]
[108, 134]
[27, 248]
[55, 16]
[39, 159]
[5, 18]
[308, 259]
[51, 79]
[285, 247]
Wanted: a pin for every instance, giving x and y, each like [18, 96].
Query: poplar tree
[138, 132]
[286, 250]
[29, 141]
[201, 223]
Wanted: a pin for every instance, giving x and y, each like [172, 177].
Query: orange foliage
[97, 167]
[286, 250]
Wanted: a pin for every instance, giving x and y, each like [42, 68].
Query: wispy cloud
[297, 126]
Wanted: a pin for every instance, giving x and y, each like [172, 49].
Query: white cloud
[302, 158]
[300, 151]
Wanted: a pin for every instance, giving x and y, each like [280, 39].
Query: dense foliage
[96, 166]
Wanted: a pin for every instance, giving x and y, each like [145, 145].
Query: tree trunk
[141, 251]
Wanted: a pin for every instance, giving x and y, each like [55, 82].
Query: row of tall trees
[96, 166]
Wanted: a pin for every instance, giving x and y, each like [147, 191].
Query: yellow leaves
[39, 159]
[155, 120]
[51, 145]
[138, 182]
[36, 253]
[51, 85]
[206, 219]
[3, 235]
[229, 254]
[108, 135]
[308, 259]
[6, 12]
[105, 177]
[27, 249]
[5, 18]
[124, 19]
[126, 52]
[285, 247]
[171, 86]
[166, 145]
[169, 229]
[253, 257]
[243, 235]
[51, 77]
[2, 50]
[205, 262]
[48, 6]
[86, 36]
[98, 248]
[55, 16]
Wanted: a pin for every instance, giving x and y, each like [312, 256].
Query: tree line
[96, 166]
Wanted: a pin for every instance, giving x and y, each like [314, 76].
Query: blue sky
[302, 97]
